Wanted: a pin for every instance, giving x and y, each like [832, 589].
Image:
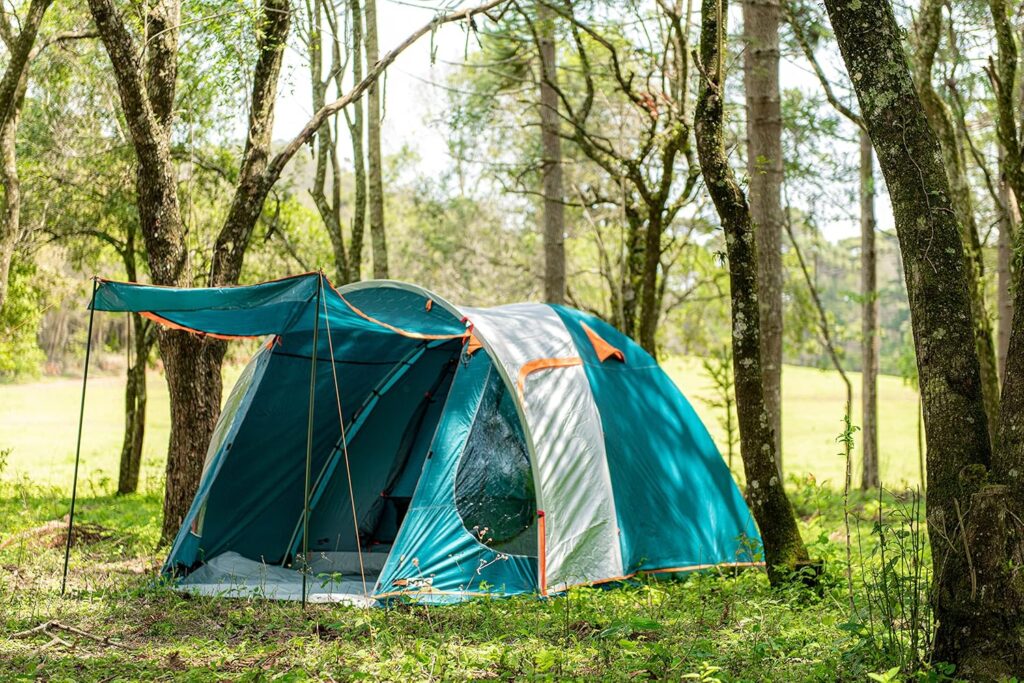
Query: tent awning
[285, 306]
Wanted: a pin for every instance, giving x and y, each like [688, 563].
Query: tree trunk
[764, 165]
[12, 95]
[650, 311]
[376, 173]
[551, 165]
[1008, 216]
[783, 546]
[355, 129]
[135, 408]
[193, 366]
[326, 143]
[973, 520]
[10, 228]
[927, 30]
[869, 316]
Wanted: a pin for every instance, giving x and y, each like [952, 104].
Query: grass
[709, 627]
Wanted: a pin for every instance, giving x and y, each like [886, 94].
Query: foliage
[20, 318]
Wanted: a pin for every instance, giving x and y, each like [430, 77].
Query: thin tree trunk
[1004, 276]
[355, 128]
[12, 95]
[10, 227]
[551, 165]
[764, 165]
[783, 546]
[326, 143]
[376, 172]
[869, 316]
[973, 511]
[135, 407]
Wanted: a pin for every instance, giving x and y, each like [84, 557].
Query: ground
[727, 626]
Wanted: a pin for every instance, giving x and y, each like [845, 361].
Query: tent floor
[232, 576]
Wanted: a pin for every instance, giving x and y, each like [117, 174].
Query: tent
[384, 443]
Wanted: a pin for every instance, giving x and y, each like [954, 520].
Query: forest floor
[118, 623]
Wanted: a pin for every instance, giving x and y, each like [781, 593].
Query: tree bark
[973, 516]
[764, 165]
[783, 546]
[135, 407]
[355, 128]
[1008, 218]
[12, 95]
[869, 316]
[376, 173]
[551, 164]
[927, 31]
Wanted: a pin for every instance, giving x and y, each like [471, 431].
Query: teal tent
[441, 451]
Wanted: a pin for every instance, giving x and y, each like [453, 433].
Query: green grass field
[38, 422]
[710, 627]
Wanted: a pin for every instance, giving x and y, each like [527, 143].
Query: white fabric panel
[563, 427]
[230, 575]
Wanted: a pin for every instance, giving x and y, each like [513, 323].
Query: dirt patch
[54, 534]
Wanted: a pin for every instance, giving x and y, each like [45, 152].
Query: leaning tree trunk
[551, 166]
[135, 397]
[869, 316]
[783, 546]
[764, 165]
[973, 516]
[378, 239]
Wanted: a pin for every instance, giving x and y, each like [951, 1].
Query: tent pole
[309, 438]
[78, 444]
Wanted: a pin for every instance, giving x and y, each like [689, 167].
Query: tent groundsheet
[332, 577]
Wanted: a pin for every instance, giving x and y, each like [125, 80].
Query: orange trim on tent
[542, 552]
[538, 364]
[430, 304]
[175, 326]
[473, 345]
[603, 349]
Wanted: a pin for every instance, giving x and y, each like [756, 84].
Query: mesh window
[494, 484]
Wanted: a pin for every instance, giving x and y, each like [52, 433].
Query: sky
[411, 100]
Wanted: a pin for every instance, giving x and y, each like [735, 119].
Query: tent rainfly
[387, 444]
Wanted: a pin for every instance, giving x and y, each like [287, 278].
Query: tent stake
[309, 439]
[78, 444]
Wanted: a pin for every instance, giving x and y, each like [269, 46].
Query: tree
[146, 81]
[783, 545]
[764, 165]
[926, 34]
[378, 238]
[551, 163]
[974, 490]
[869, 316]
[870, 340]
[321, 39]
[21, 46]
